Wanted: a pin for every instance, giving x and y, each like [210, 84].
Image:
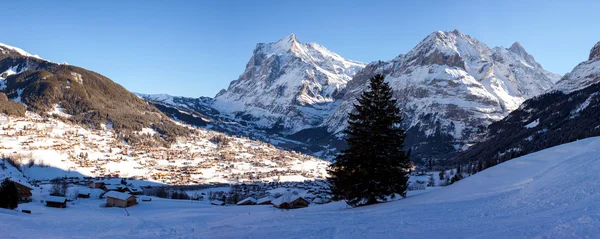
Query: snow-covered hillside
[288, 84]
[59, 149]
[550, 194]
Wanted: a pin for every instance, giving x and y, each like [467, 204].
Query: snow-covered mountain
[585, 74]
[450, 87]
[568, 112]
[288, 84]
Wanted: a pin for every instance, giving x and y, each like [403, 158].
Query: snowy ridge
[583, 75]
[5, 48]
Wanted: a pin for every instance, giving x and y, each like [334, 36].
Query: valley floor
[554, 193]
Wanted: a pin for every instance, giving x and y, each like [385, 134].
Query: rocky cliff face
[288, 85]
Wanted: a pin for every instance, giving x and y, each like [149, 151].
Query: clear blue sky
[195, 48]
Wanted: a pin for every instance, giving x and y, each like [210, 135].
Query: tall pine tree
[9, 194]
[375, 165]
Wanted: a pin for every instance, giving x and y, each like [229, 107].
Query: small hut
[56, 201]
[83, 195]
[217, 203]
[119, 199]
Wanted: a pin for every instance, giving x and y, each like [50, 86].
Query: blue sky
[195, 48]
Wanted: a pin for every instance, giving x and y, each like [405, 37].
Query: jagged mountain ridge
[568, 112]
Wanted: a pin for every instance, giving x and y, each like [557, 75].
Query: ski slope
[553, 193]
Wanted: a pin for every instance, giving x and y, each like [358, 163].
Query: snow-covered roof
[286, 199]
[19, 181]
[263, 200]
[217, 202]
[55, 199]
[118, 195]
[250, 199]
[111, 187]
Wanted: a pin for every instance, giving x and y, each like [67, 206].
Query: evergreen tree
[375, 165]
[9, 194]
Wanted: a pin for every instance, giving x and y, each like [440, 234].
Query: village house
[119, 199]
[56, 201]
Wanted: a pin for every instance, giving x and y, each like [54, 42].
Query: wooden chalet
[119, 199]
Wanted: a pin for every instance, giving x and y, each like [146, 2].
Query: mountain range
[450, 87]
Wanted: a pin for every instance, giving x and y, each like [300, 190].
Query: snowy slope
[60, 149]
[288, 84]
[550, 194]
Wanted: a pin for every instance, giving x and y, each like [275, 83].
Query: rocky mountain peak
[595, 52]
[517, 48]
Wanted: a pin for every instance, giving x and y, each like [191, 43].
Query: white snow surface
[553, 193]
[533, 124]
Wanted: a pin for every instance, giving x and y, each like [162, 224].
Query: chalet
[119, 199]
[24, 191]
[264, 201]
[55, 201]
[290, 202]
[247, 201]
